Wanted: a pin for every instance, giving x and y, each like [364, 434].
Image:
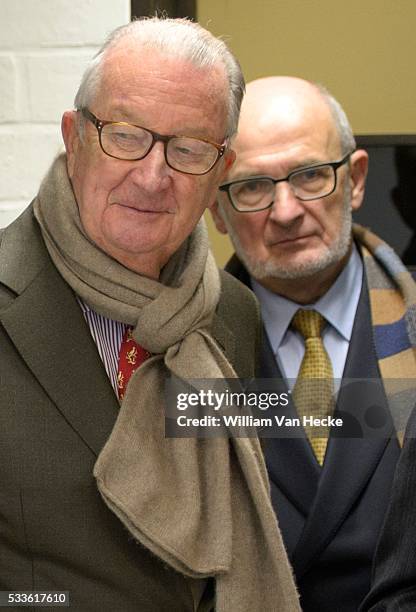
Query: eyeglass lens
[182, 153]
[308, 184]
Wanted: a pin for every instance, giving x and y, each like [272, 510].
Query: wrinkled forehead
[130, 71]
[286, 121]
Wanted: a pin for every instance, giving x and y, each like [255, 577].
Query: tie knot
[309, 323]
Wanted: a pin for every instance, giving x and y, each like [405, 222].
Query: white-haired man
[107, 288]
[334, 304]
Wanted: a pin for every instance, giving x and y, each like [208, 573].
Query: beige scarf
[202, 506]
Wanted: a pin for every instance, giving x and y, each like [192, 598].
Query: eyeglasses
[258, 192]
[133, 142]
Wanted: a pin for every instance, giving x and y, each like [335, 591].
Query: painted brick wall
[44, 45]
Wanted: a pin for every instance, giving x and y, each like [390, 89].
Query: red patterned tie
[131, 356]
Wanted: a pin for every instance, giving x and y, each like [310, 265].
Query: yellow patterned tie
[314, 388]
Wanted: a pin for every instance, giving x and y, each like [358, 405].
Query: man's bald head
[281, 102]
[293, 186]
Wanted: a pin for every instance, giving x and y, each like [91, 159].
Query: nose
[152, 174]
[286, 209]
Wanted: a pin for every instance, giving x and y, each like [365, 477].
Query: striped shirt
[107, 335]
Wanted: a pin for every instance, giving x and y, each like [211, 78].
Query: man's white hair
[340, 118]
[177, 38]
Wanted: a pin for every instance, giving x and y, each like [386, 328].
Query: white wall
[44, 45]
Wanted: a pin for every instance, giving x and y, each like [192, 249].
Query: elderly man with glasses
[337, 309]
[107, 290]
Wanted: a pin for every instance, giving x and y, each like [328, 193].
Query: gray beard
[273, 269]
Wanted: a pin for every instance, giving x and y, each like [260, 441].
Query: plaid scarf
[392, 292]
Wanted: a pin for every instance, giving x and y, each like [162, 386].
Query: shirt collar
[338, 305]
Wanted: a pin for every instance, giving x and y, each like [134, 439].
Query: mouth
[294, 240]
[143, 209]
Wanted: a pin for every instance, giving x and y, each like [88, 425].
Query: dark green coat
[57, 409]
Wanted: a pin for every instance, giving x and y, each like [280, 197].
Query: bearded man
[337, 309]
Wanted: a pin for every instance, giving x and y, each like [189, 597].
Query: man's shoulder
[236, 299]
[22, 252]
[236, 268]
[236, 326]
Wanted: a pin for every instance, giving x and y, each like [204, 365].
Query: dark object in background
[404, 194]
[391, 177]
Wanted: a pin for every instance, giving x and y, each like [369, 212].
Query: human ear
[358, 175]
[217, 216]
[70, 134]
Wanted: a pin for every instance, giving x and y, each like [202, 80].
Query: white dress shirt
[107, 335]
[338, 306]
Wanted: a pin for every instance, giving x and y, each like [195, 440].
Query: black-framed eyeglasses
[132, 142]
[309, 183]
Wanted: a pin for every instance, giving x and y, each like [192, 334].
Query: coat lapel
[350, 462]
[290, 461]
[48, 329]
[291, 464]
